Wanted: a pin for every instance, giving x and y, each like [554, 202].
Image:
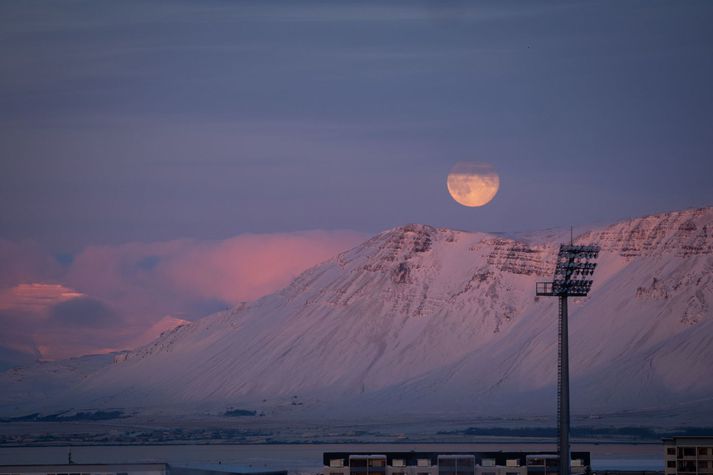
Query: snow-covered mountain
[432, 320]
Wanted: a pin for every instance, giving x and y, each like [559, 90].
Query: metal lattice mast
[573, 263]
[563, 387]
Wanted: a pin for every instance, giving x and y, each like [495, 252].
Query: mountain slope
[421, 319]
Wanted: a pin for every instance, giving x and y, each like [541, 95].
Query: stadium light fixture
[574, 265]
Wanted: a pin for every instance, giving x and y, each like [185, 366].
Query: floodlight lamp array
[573, 266]
[573, 288]
[584, 252]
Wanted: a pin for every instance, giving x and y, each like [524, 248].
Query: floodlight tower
[574, 265]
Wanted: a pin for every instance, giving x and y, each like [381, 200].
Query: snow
[434, 321]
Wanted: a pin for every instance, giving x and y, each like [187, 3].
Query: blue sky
[145, 121]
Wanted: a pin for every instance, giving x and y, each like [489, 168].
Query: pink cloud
[121, 296]
[250, 266]
[35, 297]
[25, 308]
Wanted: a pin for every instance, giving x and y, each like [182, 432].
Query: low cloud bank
[116, 297]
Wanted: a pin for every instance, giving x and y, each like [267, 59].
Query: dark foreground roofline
[412, 456]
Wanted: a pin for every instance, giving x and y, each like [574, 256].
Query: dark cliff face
[681, 233]
[401, 244]
[520, 258]
[401, 250]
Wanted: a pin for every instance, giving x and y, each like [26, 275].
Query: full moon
[473, 184]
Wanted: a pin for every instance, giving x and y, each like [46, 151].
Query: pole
[572, 265]
[563, 388]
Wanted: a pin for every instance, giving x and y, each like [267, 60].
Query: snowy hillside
[439, 321]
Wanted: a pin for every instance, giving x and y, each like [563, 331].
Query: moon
[473, 184]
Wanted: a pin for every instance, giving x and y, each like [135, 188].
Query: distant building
[450, 463]
[688, 455]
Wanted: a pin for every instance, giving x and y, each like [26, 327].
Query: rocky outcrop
[681, 233]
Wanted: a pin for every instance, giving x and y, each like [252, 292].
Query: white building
[688, 456]
[433, 463]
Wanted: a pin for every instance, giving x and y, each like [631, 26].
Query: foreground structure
[450, 463]
[688, 455]
[574, 264]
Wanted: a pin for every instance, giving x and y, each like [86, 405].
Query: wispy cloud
[115, 297]
[35, 297]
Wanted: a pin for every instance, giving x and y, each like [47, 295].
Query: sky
[157, 156]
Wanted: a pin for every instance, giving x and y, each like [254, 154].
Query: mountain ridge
[426, 319]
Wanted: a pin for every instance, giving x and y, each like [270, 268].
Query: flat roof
[413, 456]
[705, 439]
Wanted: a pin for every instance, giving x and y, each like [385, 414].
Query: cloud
[82, 312]
[250, 266]
[25, 308]
[17, 335]
[25, 261]
[112, 297]
[189, 278]
[35, 297]
[79, 326]
[45, 320]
